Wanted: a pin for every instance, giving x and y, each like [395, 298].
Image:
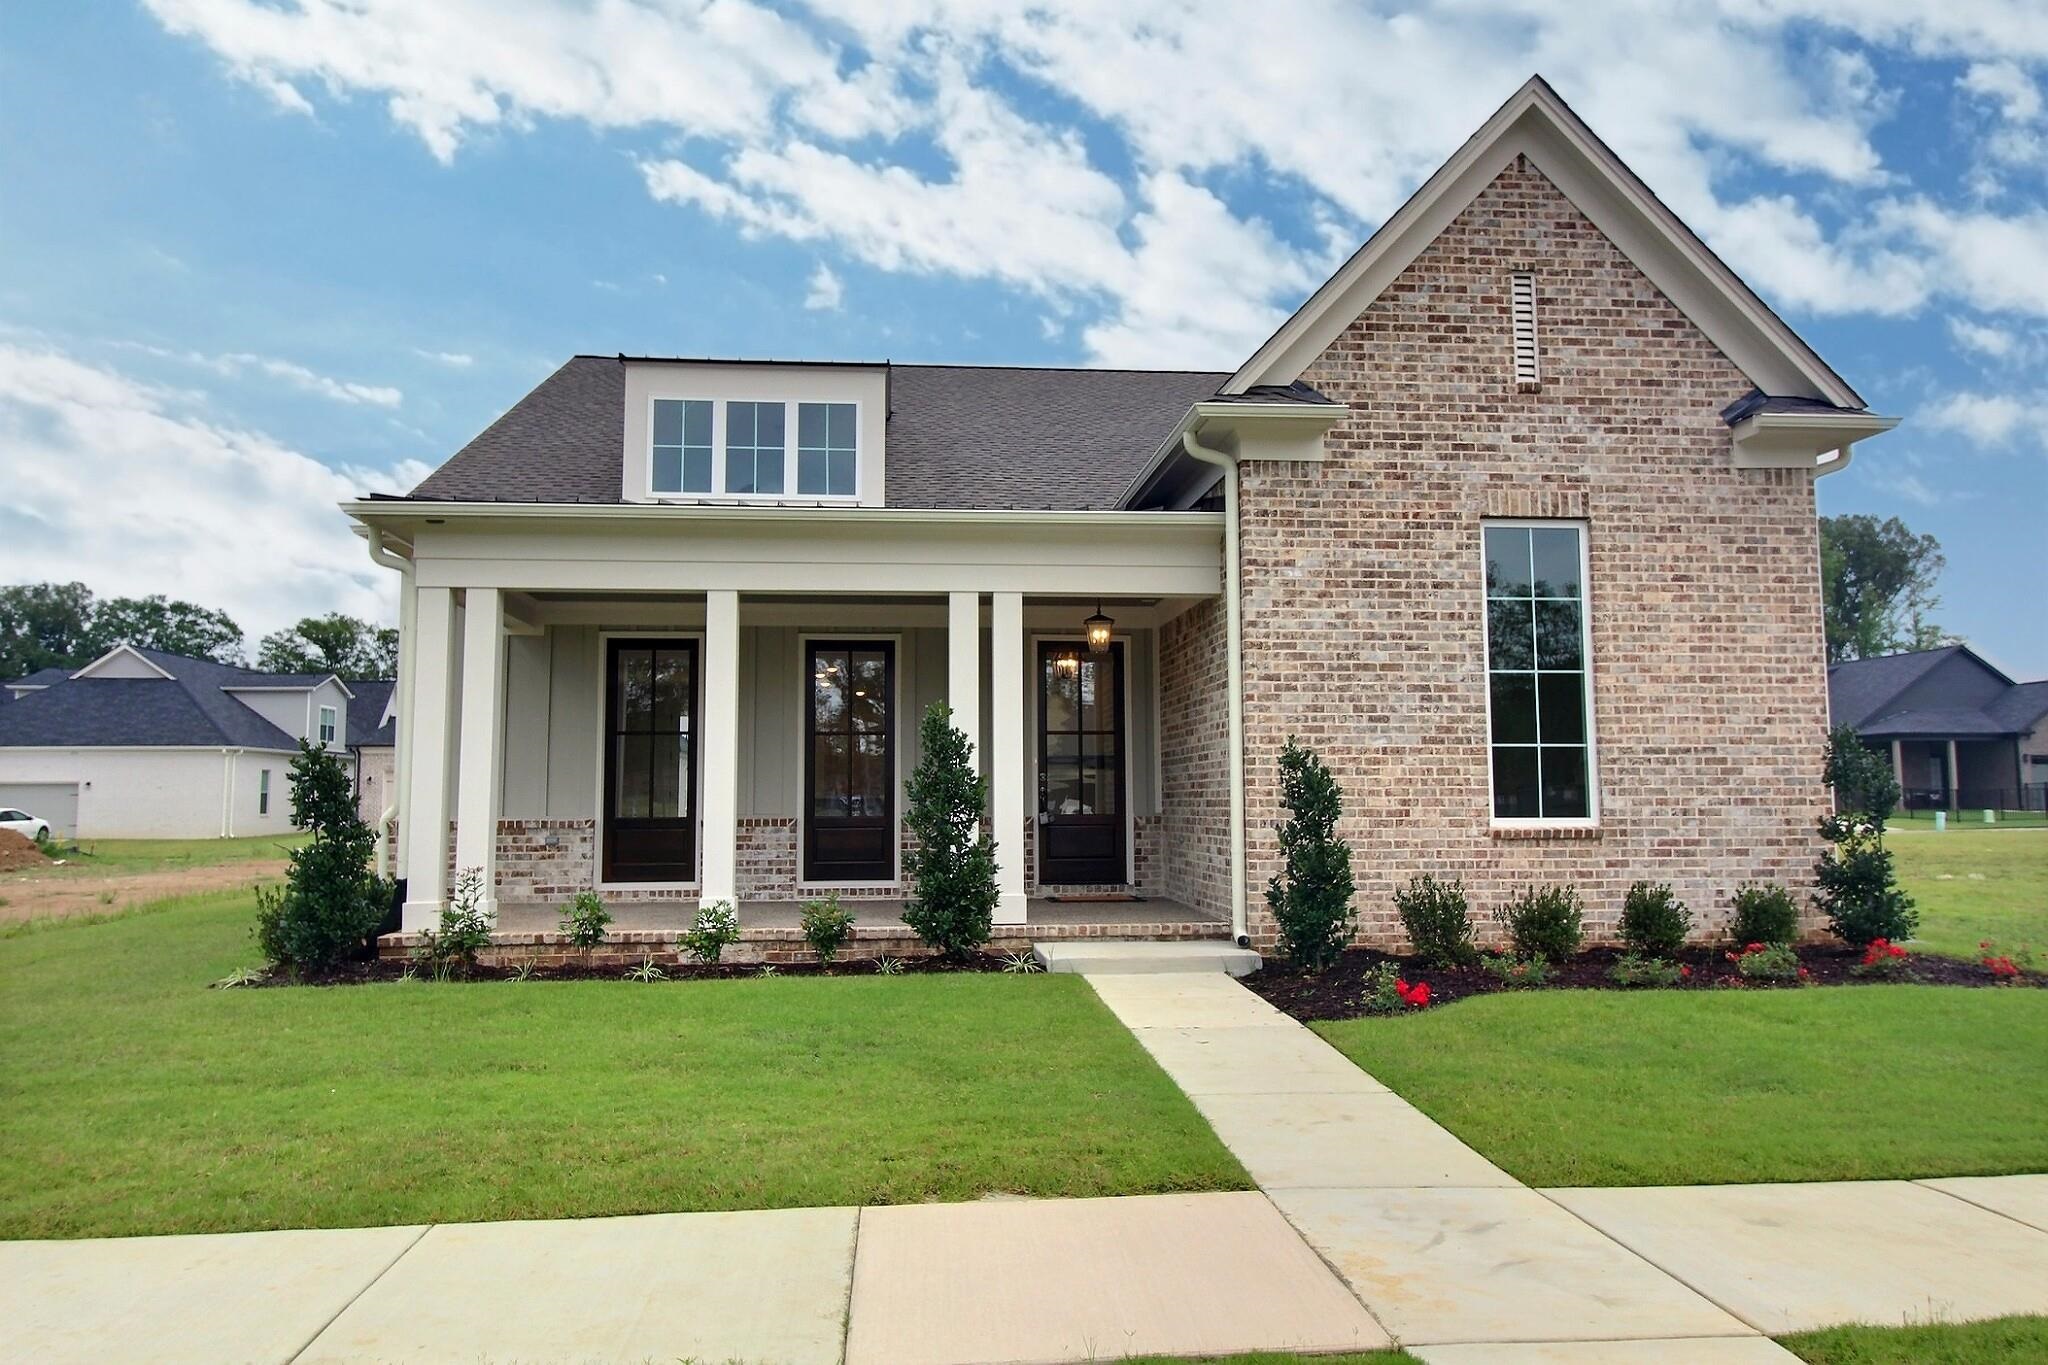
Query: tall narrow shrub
[952, 867]
[1855, 885]
[330, 902]
[1311, 894]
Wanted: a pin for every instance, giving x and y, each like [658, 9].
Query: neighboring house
[34, 682]
[1513, 521]
[144, 744]
[1961, 735]
[372, 739]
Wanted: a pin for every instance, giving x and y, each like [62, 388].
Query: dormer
[748, 432]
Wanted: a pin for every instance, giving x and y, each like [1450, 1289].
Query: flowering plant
[1388, 992]
[1768, 962]
[2006, 968]
[1881, 957]
[1416, 996]
[1514, 971]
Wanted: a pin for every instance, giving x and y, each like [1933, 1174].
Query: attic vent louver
[1522, 299]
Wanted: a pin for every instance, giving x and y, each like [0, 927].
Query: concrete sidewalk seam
[860, 1216]
[1755, 1327]
[368, 1285]
[1331, 1266]
[1924, 1184]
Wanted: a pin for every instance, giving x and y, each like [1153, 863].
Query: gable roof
[1863, 694]
[1859, 688]
[192, 706]
[959, 436]
[367, 727]
[1537, 124]
[2022, 708]
[42, 677]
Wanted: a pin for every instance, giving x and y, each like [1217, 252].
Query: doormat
[1096, 898]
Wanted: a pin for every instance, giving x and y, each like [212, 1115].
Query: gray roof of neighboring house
[367, 728]
[42, 677]
[1859, 688]
[2022, 708]
[960, 436]
[191, 708]
[1956, 722]
[1862, 694]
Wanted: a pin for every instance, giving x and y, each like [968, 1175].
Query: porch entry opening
[650, 757]
[850, 762]
[1081, 765]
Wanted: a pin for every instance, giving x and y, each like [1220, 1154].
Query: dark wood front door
[650, 761]
[1080, 765]
[850, 762]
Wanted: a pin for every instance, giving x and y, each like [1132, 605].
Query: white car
[24, 824]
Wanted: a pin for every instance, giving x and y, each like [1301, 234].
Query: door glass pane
[828, 691]
[1556, 553]
[1564, 707]
[831, 796]
[1063, 789]
[870, 787]
[671, 689]
[1059, 746]
[870, 702]
[1509, 643]
[1099, 787]
[1514, 784]
[1098, 696]
[634, 703]
[666, 778]
[631, 759]
[1062, 693]
[1514, 708]
[1507, 561]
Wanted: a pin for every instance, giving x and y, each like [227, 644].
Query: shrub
[585, 920]
[1855, 886]
[1764, 914]
[1387, 992]
[2006, 968]
[464, 930]
[331, 903]
[1862, 778]
[714, 929]
[648, 970]
[1515, 972]
[1311, 894]
[1547, 923]
[1882, 958]
[1631, 969]
[1438, 920]
[1654, 922]
[1768, 962]
[952, 865]
[827, 925]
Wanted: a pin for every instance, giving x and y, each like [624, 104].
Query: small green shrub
[1654, 922]
[1387, 992]
[1764, 913]
[1311, 894]
[1630, 969]
[1515, 972]
[888, 966]
[715, 928]
[1855, 887]
[585, 920]
[1548, 923]
[331, 902]
[1883, 958]
[1438, 920]
[1768, 962]
[451, 947]
[951, 865]
[827, 925]
[648, 970]
[1021, 964]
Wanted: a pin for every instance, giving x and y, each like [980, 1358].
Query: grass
[1607, 1088]
[1274, 1358]
[1967, 1343]
[1957, 912]
[135, 1100]
[1967, 819]
[97, 856]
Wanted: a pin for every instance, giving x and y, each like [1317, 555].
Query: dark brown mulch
[1339, 993]
[368, 971]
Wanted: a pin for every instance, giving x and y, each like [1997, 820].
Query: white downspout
[401, 766]
[1233, 617]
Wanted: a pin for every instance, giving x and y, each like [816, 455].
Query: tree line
[62, 625]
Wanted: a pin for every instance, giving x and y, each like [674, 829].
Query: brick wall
[1364, 633]
[1194, 747]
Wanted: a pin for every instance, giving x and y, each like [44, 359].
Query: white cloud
[454, 360]
[233, 364]
[1995, 342]
[2007, 85]
[1990, 419]
[230, 518]
[824, 292]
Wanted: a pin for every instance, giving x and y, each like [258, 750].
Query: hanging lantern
[1099, 627]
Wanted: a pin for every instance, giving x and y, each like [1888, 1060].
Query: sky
[259, 257]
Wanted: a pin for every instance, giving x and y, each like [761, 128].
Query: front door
[850, 762]
[1080, 765]
[650, 761]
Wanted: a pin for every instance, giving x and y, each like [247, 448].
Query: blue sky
[255, 256]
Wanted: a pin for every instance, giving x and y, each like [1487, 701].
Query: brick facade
[1194, 757]
[1363, 587]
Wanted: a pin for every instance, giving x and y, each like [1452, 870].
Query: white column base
[414, 916]
[1010, 908]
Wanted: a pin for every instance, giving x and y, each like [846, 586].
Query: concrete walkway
[1463, 1264]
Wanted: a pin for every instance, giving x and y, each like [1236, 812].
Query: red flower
[1684, 973]
[1983, 943]
[1895, 952]
[1754, 948]
[1805, 975]
[2001, 966]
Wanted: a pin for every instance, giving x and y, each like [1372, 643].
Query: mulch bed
[1339, 993]
[369, 971]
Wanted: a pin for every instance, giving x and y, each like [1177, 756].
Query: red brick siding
[1194, 748]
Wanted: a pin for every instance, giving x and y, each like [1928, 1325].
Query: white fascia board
[1537, 124]
[1311, 420]
[1799, 440]
[780, 518]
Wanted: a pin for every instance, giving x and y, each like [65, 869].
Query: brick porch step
[1105, 956]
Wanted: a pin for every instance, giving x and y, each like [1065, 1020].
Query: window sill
[1543, 831]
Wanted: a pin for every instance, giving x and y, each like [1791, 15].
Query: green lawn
[1969, 1343]
[1973, 884]
[91, 856]
[1966, 819]
[1610, 1088]
[134, 1100]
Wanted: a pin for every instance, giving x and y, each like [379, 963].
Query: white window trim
[330, 725]
[1591, 820]
[718, 491]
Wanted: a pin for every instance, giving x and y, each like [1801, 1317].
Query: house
[1513, 521]
[144, 744]
[1961, 734]
[372, 744]
[33, 682]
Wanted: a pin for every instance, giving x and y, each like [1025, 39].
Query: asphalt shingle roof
[190, 708]
[2022, 708]
[1859, 688]
[959, 436]
[1862, 694]
[367, 727]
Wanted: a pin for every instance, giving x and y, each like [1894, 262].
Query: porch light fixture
[1098, 630]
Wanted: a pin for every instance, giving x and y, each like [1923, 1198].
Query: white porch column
[425, 813]
[963, 667]
[1899, 767]
[1009, 804]
[400, 791]
[1955, 780]
[721, 740]
[479, 794]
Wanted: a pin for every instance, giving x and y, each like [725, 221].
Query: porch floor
[883, 917]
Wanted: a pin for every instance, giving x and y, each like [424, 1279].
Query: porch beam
[425, 814]
[721, 747]
[480, 788]
[1008, 804]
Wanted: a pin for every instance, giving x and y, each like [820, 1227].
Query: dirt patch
[1340, 992]
[18, 851]
[53, 894]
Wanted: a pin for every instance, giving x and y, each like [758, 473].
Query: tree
[334, 643]
[331, 902]
[1311, 894]
[44, 625]
[1877, 587]
[1855, 885]
[952, 867]
[159, 622]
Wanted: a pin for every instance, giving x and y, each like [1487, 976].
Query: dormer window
[825, 449]
[682, 446]
[752, 437]
[754, 454]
